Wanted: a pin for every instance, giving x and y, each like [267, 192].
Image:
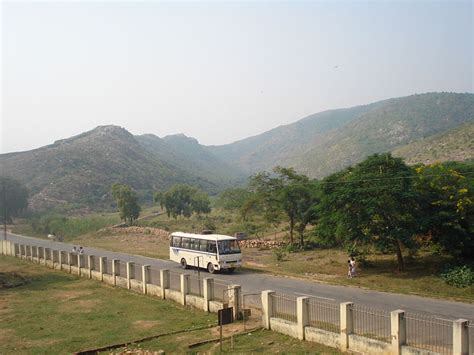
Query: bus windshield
[228, 247]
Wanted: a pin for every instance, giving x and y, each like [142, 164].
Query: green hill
[81, 169]
[329, 141]
[454, 145]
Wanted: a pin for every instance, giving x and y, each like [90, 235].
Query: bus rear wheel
[210, 268]
[184, 264]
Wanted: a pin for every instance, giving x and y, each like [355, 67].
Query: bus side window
[211, 247]
[192, 243]
[177, 242]
[185, 243]
[203, 245]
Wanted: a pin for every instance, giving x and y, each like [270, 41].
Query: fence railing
[175, 281]
[429, 333]
[371, 323]
[324, 315]
[284, 307]
[220, 290]
[155, 276]
[195, 285]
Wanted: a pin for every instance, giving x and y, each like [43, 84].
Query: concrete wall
[215, 306]
[153, 290]
[121, 281]
[284, 326]
[322, 336]
[195, 301]
[136, 286]
[366, 345]
[408, 350]
[173, 295]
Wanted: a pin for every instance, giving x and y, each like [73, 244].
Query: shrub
[459, 276]
[279, 254]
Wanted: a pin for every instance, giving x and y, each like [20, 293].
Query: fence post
[235, 299]
[164, 281]
[91, 264]
[60, 259]
[460, 337]
[267, 307]
[346, 324]
[145, 277]
[302, 309]
[115, 266]
[79, 264]
[130, 266]
[102, 266]
[184, 278]
[208, 288]
[398, 330]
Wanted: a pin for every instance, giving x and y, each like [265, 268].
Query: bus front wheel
[210, 268]
[184, 265]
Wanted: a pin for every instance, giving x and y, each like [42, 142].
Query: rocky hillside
[326, 142]
[454, 145]
[81, 169]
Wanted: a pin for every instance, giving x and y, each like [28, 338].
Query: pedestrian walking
[352, 263]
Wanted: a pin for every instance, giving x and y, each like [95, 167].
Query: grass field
[46, 311]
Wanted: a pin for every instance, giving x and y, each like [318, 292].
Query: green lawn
[43, 311]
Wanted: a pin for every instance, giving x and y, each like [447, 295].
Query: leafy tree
[184, 200]
[285, 192]
[373, 203]
[447, 199]
[13, 200]
[127, 203]
[159, 197]
[233, 199]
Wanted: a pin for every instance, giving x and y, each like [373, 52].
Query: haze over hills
[329, 141]
[81, 169]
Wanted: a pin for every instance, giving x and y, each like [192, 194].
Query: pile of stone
[261, 243]
[158, 232]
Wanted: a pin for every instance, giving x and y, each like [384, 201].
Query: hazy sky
[218, 71]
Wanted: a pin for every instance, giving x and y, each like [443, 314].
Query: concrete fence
[354, 328]
[134, 277]
[346, 326]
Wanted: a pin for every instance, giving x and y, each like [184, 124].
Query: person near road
[352, 263]
[349, 269]
[81, 251]
[74, 249]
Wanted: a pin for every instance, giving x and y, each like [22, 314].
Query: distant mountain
[455, 145]
[81, 169]
[329, 141]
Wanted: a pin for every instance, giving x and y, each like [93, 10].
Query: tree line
[380, 202]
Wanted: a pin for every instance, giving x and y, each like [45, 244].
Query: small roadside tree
[286, 193]
[13, 200]
[127, 203]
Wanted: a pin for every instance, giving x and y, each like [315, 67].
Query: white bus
[210, 251]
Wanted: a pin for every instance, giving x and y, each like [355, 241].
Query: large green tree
[373, 203]
[13, 200]
[184, 200]
[127, 202]
[447, 199]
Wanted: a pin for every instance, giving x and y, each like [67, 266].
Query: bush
[459, 276]
[279, 254]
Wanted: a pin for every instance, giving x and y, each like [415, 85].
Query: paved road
[257, 282]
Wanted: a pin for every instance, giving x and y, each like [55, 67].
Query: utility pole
[4, 203]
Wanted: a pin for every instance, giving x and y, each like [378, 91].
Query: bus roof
[215, 237]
